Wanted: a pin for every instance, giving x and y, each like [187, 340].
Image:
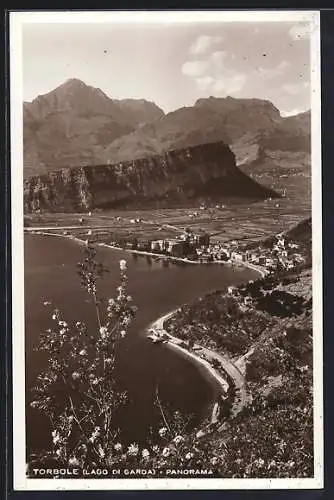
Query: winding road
[227, 365]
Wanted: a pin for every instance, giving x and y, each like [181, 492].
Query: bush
[77, 390]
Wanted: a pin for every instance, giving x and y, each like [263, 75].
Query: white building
[236, 256]
[158, 245]
[248, 300]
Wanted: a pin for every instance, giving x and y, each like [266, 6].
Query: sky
[173, 64]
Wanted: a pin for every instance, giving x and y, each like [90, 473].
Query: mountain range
[79, 125]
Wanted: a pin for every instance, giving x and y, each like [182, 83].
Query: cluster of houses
[281, 254]
[184, 245]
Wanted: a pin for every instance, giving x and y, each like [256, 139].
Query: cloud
[218, 55]
[204, 82]
[203, 43]
[194, 68]
[300, 31]
[211, 73]
[230, 84]
[292, 112]
[269, 73]
[295, 88]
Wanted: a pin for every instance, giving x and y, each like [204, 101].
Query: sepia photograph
[167, 256]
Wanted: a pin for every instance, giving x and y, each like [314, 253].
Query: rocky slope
[270, 341]
[209, 120]
[176, 178]
[279, 157]
[74, 122]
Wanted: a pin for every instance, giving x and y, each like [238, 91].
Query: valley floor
[247, 222]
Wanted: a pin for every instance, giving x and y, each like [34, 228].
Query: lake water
[156, 288]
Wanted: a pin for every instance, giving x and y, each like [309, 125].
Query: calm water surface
[50, 275]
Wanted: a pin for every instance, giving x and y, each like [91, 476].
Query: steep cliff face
[176, 178]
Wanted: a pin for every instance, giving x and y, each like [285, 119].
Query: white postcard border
[17, 19]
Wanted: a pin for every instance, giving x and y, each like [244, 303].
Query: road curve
[228, 366]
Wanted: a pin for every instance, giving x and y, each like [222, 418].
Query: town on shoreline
[277, 253]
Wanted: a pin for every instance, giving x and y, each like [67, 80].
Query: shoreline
[174, 343]
[262, 271]
[227, 365]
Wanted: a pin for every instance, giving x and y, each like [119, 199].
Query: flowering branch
[78, 385]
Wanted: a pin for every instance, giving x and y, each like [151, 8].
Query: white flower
[101, 451]
[166, 452]
[155, 448]
[145, 453]
[118, 447]
[83, 352]
[122, 265]
[73, 461]
[103, 332]
[75, 375]
[214, 460]
[58, 452]
[123, 333]
[162, 431]
[95, 434]
[108, 361]
[78, 324]
[189, 456]
[133, 449]
[126, 321]
[129, 298]
[62, 331]
[63, 323]
[54, 316]
[46, 303]
[178, 439]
